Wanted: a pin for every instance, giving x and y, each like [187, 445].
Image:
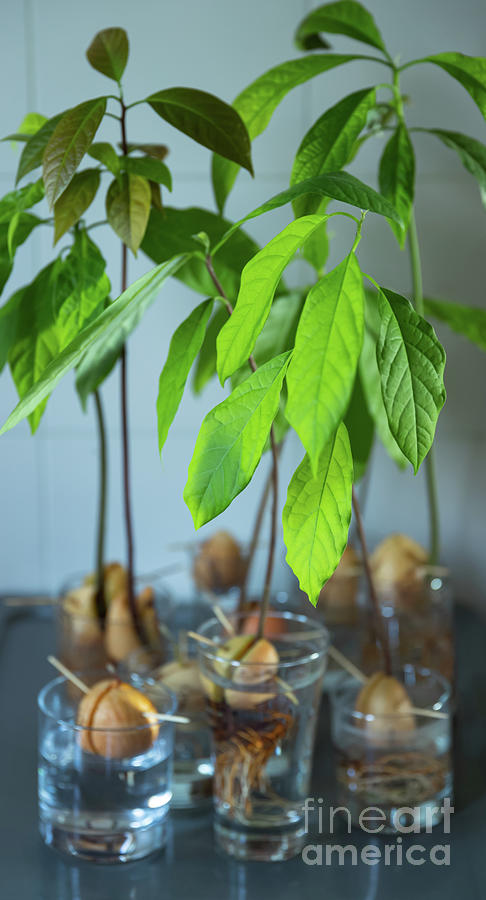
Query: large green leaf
[471, 152]
[470, 71]
[334, 185]
[52, 310]
[153, 169]
[81, 289]
[257, 103]
[327, 348]
[206, 119]
[231, 441]
[317, 514]
[184, 347]
[105, 334]
[75, 200]
[371, 382]
[397, 177]
[170, 232]
[360, 428]
[411, 363]
[36, 338]
[33, 152]
[259, 281]
[67, 145]
[205, 367]
[344, 17]
[9, 314]
[328, 145]
[468, 321]
[128, 208]
[108, 52]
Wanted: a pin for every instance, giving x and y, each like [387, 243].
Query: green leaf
[37, 339]
[67, 145]
[52, 310]
[471, 152]
[105, 334]
[360, 428]
[82, 288]
[20, 200]
[344, 17]
[468, 321]
[259, 281]
[104, 153]
[411, 363]
[206, 361]
[33, 152]
[231, 441]
[317, 514]
[75, 200]
[9, 242]
[397, 178]
[128, 208]
[184, 347]
[174, 230]
[28, 126]
[152, 169]
[328, 145]
[336, 186]
[470, 71]
[9, 314]
[371, 382]
[257, 103]
[108, 52]
[206, 119]
[316, 249]
[327, 348]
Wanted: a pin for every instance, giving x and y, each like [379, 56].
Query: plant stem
[100, 541]
[273, 443]
[418, 296]
[124, 420]
[255, 536]
[273, 538]
[433, 505]
[379, 627]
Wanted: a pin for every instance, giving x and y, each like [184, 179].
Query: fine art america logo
[372, 820]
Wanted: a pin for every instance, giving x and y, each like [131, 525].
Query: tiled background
[48, 483]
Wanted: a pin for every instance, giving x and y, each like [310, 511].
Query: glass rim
[316, 629]
[444, 699]
[73, 726]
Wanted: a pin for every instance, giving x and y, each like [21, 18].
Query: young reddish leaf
[108, 52]
[128, 208]
[71, 139]
[74, 201]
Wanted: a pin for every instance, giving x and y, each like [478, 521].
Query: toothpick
[346, 664]
[68, 674]
[201, 639]
[287, 690]
[153, 717]
[225, 622]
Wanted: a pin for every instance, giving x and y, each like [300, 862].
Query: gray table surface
[190, 867]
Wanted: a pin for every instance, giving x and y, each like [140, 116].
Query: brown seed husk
[113, 704]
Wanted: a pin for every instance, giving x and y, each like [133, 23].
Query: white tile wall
[48, 484]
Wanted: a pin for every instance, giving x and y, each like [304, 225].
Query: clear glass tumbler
[399, 763]
[193, 766]
[104, 807]
[263, 719]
